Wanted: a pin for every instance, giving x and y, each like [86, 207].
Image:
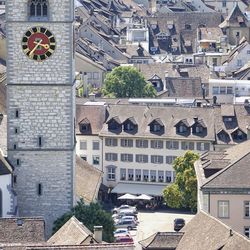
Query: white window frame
[111, 173]
[223, 209]
[81, 144]
[96, 158]
[247, 209]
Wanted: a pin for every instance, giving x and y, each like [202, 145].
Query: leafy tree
[90, 215]
[183, 192]
[127, 81]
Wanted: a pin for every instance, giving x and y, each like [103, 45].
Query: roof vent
[19, 222]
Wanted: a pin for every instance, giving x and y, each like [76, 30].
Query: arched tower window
[38, 10]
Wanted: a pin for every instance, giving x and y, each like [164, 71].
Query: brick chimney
[98, 233]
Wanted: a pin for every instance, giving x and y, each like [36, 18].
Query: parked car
[129, 218]
[129, 224]
[179, 223]
[124, 207]
[121, 232]
[124, 239]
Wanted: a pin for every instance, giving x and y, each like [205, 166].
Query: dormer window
[130, 124]
[156, 126]
[238, 134]
[84, 126]
[38, 10]
[198, 129]
[114, 123]
[182, 127]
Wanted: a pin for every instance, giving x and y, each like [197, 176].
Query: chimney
[98, 233]
[195, 119]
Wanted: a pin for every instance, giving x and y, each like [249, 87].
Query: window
[84, 128]
[111, 173]
[239, 62]
[145, 175]
[126, 143]
[83, 145]
[156, 159]
[187, 145]
[16, 130]
[223, 209]
[182, 129]
[224, 3]
[172, 145]
[130, 174]
[229, 90]
[247, 209]
[247, 231]
[203, 146]
[40, 141]
[188, 27]
[170, 159]
[111, 142]
[110, 157]
[14, 146]
[38, 9]
[123, 174]
[17, 113]
[84, 157]
[18, 162]
[198, 129]
[168, 176]
[153, 175]
[216, 90]
[39, 189]
[141, 158]
[138, 174]
[222, 90]
[160, 176]
[156, 144]
[96, 159]
[127, 157]
[141, 143]
[95, 75]
[155, 127]
[96, 145]
[128, 126]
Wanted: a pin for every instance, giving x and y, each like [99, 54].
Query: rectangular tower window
[17, 162]
[40, 141]
[14, 146]
[39, 191]
[14, 179]
[17, 113]
[16, 130]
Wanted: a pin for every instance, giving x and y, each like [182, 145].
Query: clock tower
[41, 106]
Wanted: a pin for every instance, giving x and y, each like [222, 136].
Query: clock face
[38, 43]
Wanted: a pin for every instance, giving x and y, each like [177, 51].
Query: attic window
[228, 119]
[182, 128]
[84, 127]
[128, 126]
[156, 127]
[198, 129]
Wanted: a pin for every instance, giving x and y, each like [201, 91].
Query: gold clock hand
[46, 46]
[37, 44]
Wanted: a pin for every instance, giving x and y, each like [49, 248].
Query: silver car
[129, 224]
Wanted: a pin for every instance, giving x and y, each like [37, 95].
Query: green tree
[183, 192]
[127, 81]
[90, 215]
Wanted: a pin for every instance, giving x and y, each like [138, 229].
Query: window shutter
[130, 143]
[152, 144]
[137, 143]
[114, 157]
[160, 159]
[122, 157]
[152, 159]
[145, 158]
[183, 145]
[137, 158]
[145, 143]
[106, 156]
[107, 142]
[122, 142]
[198, 146]
[160, 144]
[168, 144]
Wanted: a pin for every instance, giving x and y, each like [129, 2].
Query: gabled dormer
[238, 134]
[130, 125]
[84, 126]
[199, 127]
[182, 127]
[114, 124]
[156, 126]
[223, 136]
